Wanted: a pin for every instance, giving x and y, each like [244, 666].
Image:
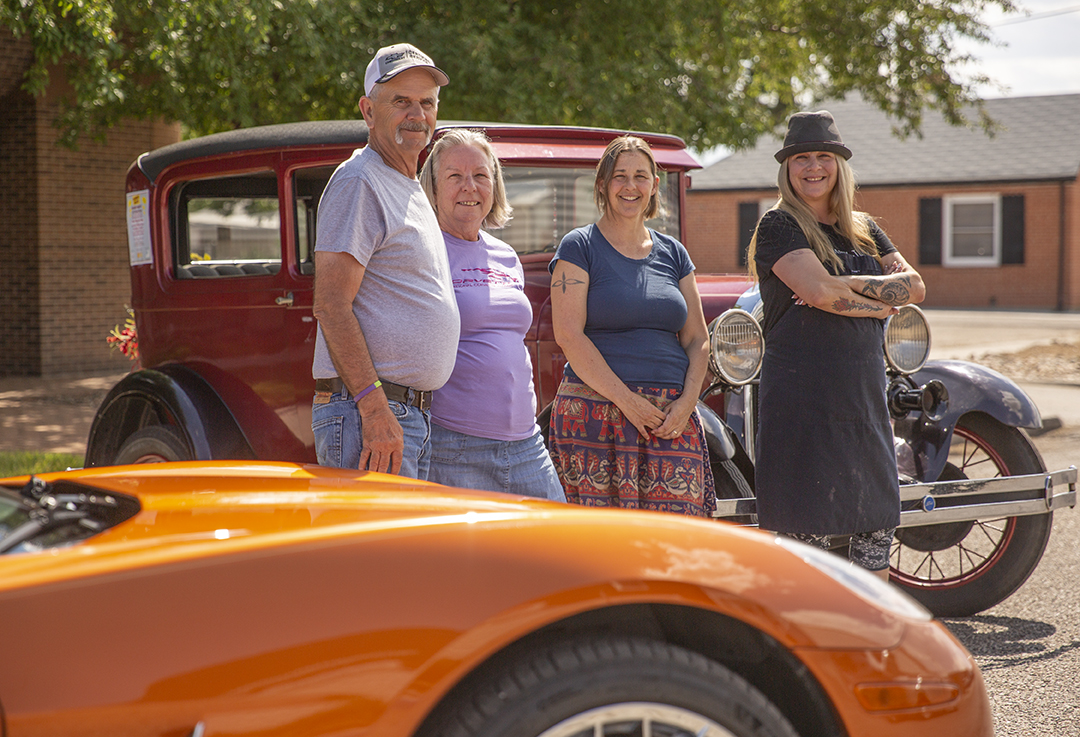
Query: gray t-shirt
[406, 304]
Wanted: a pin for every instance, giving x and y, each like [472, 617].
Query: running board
[963, 501]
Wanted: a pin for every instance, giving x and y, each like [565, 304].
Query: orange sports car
[277, 599]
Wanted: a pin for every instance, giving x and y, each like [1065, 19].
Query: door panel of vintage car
[227, 279]
[305, 187]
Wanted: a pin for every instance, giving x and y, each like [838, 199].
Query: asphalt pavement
[1028, 647]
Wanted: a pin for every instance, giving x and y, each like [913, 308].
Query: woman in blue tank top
[626, 312]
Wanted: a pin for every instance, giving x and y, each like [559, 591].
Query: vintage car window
[548, 203]
[230, 226]
[308, 186]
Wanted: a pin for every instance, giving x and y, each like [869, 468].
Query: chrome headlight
[907, 340]
[735, 347]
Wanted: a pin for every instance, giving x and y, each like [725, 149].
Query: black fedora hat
[812, 132]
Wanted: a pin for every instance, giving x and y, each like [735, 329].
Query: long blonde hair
[852, 224]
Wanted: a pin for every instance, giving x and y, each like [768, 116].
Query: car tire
[580, 686]
[154, 444]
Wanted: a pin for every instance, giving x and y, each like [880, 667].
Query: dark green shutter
[929, 230]
[1012, 229]
[748, 217]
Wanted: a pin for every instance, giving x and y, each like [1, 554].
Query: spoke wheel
[962, 568]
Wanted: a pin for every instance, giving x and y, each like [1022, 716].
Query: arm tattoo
[892, 290]
[846, 305]
[564, 282]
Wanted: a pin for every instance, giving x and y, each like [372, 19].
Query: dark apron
[825, 462]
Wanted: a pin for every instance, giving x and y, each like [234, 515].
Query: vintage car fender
[173, 395]
[972, 388]
[719, 437]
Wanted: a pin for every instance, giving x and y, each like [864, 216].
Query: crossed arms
[851, 296]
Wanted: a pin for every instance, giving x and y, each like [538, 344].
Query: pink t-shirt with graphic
[490, 392]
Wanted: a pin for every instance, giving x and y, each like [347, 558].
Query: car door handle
[285, 301]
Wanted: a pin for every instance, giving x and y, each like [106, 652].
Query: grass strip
[20, 463]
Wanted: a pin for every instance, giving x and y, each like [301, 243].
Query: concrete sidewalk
[51, 415]
[969, 334]
[962, 334]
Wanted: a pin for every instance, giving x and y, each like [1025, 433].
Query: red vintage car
[221, 233]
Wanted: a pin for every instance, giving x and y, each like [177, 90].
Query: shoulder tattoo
[564, 281]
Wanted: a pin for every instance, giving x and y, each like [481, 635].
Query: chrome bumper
[963, 501]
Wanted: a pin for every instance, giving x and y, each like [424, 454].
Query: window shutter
[748, 218]
[929, 230]
[1012, 229]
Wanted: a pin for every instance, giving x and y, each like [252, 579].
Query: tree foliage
[712, 72]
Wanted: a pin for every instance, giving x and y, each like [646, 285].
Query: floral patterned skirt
[603, 462]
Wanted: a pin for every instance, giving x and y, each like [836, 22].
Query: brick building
[988, 222]
[63, 235]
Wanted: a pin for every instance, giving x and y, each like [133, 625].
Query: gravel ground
[1028, 647]
[1057, 362]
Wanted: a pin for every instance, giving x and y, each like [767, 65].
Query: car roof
[355, 133]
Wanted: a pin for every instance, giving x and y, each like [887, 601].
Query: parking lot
[1028, 647]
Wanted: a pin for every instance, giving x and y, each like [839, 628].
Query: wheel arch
[172, 395]
[972, 389]
[976, 388]
[748, 652]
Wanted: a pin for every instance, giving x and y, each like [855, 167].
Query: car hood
[206, 514]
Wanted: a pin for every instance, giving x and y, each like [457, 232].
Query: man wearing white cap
[388, 320]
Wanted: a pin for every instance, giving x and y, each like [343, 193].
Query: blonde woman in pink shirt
[484, 433]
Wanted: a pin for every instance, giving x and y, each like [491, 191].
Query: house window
[971, 233]
[972, 230]
[749, 215]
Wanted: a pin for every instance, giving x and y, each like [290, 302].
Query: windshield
[13, 513]
[550, 202]
[40, 516]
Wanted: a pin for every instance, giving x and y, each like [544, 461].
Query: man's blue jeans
[339, 439]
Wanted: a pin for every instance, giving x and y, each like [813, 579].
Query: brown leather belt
[395, 392]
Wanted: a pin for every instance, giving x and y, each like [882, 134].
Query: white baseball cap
[390, 61]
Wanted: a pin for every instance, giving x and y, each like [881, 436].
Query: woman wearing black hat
[829, 276]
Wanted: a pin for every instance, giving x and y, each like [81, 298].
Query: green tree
[711, 72]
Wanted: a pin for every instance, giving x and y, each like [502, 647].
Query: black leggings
[868, 549]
